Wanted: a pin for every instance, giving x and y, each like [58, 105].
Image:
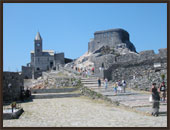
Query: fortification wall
[111, 38]
[12, 85]
[141, 70]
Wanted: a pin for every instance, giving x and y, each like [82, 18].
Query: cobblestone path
[80, 112]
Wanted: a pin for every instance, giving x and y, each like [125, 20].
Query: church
[42, 60]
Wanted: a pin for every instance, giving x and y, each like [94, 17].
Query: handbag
[150, 98]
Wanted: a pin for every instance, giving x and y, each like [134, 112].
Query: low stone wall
[12, 86]
[95, 95]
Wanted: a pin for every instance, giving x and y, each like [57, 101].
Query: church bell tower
[38, 45]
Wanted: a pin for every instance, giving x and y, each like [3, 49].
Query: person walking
[99, 82]
[162, 90]
[119, 86]
[155, 100]
[105, 83]
[115, 88]
[93, 70]
[124, 85]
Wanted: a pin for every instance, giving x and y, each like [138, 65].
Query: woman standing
[156, 99]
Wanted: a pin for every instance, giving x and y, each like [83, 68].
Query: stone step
[54, 95]
[88, 82]
[57, 90]
[89, 79]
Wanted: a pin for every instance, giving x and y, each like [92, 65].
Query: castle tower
[117, 38]
[38, 45]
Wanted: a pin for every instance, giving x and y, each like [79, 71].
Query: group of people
[157, 94]
[119, 86]
[85, 72]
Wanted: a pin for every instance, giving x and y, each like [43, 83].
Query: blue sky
[67, 27]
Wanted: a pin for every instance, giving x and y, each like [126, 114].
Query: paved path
[137, 100]
[80, 112]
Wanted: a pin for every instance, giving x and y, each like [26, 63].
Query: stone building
[117, 38]
[42, 60]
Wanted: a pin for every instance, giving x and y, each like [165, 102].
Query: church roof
[46, 52]
[38, 37]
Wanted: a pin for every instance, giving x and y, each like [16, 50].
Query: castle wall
[140, 72]
[12, 92]
[111, 38]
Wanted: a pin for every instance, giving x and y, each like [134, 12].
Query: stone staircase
[136, 100]
[54, 93]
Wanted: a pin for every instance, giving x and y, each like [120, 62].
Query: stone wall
[12, 85]
[139, 72]
[27, 73]
[117, 38]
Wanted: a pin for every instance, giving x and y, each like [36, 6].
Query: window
[38, 50]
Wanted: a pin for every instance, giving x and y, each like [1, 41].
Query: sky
[68, 27]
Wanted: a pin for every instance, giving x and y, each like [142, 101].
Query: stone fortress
[117, 38]
[42, 60]
[115, 57]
